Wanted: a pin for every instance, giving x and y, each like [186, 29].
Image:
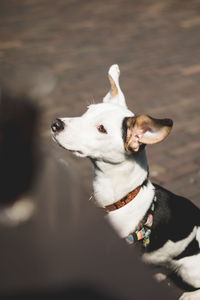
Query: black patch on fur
[192, 249]
[141, 148]
[174, 218]
[178, 281]
[124, 129]
[145, 182]
[163, 122]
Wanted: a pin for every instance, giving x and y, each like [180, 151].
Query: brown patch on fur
[137, 127]
[114, 88]
[130, 123]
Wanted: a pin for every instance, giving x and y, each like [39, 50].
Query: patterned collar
[122, 202]
[145, 232]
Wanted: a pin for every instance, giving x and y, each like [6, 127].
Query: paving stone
[58, 53]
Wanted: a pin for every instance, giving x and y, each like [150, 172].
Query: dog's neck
[114, 181]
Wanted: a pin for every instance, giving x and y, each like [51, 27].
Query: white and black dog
[167, 225]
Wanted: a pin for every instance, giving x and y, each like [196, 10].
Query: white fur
[126, 219]
[191, 295]
[116, 173]
[189, 269]
[110, 180]
[198, 236]
[169, 250]
[82, 136]
[114, 72]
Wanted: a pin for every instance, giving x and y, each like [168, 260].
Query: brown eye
[101, 129]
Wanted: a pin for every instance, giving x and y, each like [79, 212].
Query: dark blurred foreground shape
[65, 250]
[18, 119]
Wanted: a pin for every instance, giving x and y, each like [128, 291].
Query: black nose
[57, 125]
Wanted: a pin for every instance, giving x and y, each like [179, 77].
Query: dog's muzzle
[57, 125]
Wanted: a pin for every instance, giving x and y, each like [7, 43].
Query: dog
[166, 225]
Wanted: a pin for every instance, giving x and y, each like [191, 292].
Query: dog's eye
[101, 129]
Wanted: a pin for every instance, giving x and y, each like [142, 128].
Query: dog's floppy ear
[115, 94]
[144, 129]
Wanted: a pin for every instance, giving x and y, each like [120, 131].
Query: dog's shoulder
[174, 218]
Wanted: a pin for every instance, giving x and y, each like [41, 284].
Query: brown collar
[122, 202]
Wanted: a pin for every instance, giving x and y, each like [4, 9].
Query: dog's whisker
[93, 100]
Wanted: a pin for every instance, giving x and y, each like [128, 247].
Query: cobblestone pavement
[58, 52]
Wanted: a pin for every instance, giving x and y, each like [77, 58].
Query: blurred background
[54, 58]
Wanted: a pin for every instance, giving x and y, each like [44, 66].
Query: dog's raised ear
[144, 129]
[115, 94]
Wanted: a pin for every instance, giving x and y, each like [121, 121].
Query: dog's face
[108, 131]
[96, 134]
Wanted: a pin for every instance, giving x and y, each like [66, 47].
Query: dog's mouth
[57, 142]
[76, 152]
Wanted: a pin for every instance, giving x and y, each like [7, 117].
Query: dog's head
[108, 131]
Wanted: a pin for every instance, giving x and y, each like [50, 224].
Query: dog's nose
[57, 125]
